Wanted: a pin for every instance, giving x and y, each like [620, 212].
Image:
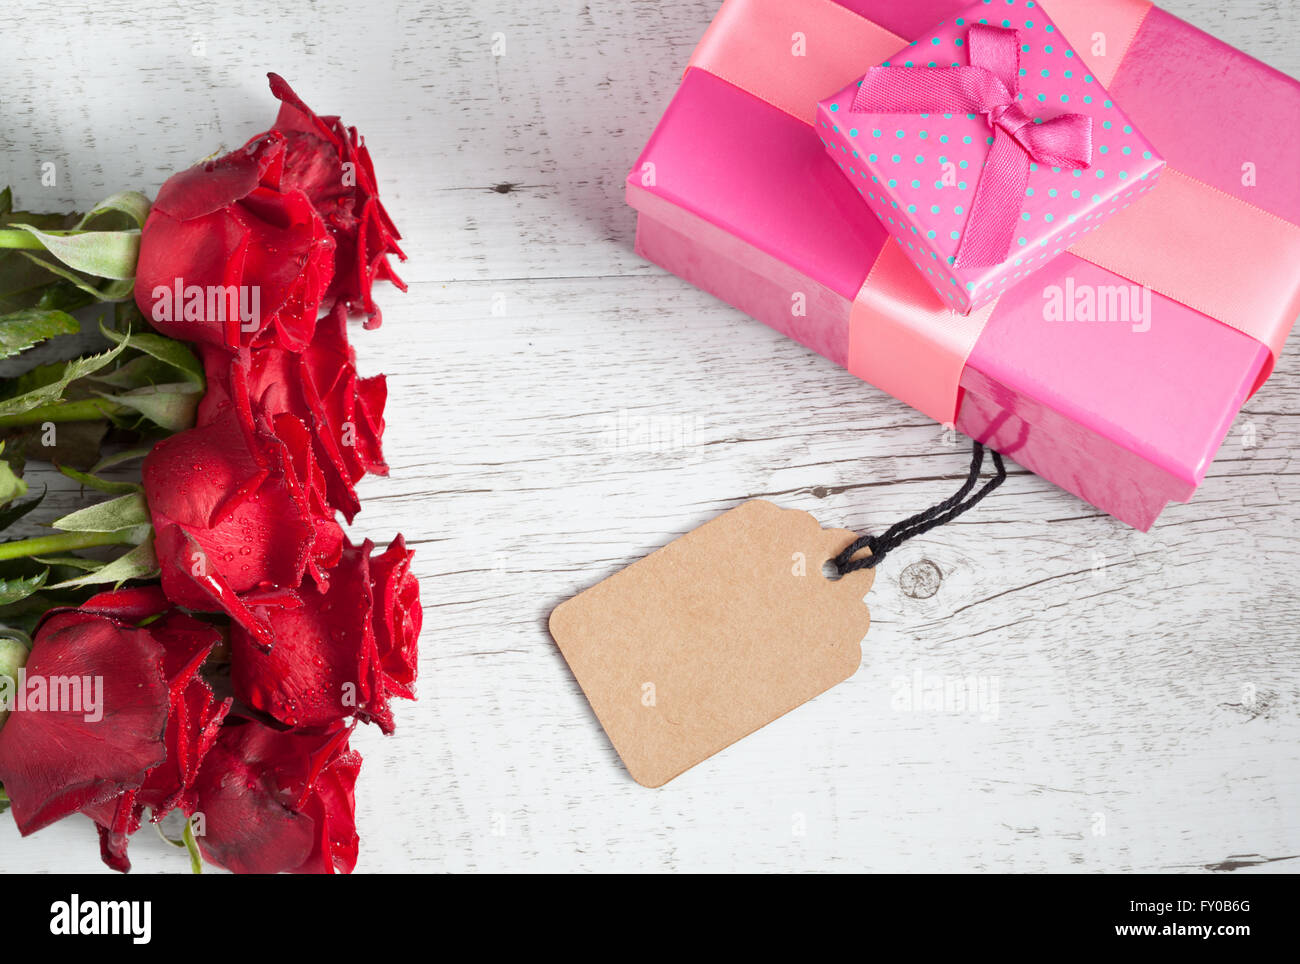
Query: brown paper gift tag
[714, 636]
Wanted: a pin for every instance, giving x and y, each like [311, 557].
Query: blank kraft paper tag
[714, 636]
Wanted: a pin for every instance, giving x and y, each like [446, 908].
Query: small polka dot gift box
[987, 147]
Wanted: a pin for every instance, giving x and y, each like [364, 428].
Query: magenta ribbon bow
[989, 86]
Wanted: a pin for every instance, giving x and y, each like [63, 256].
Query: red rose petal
[55, 762]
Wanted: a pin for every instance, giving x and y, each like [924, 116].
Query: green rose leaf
[52, 390]
[100, 254]
[20, 330]
[110, 253]
[12, 590]
[139, 563]
[169, 351]
[113, 291]
[116, 515]
[139, 372]
[171, 407]
[131, 204]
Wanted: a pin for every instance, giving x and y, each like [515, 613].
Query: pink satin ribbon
[789, 54]
[989, 86]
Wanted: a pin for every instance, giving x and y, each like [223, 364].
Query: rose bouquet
[203, 641]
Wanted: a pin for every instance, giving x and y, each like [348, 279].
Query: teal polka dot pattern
[925, 198]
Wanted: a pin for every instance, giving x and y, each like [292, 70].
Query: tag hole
[831, 571]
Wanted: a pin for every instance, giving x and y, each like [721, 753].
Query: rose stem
[63, 542]
[85, 410]
[21, 241]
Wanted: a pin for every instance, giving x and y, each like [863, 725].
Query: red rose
[141, 746]
[398, 617]
[320, 386]
[229, 256]
[330, 164]
[276, 801]
[238, 508]
[345, 651]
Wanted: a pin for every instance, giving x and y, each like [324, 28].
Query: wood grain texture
[559, 408]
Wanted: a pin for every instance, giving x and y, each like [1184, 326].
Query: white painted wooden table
[1148, 709]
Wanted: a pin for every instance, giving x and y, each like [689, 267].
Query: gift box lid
[921, 166]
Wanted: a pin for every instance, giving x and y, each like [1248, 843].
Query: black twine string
[923, 522]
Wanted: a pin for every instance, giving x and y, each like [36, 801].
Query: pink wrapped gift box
[919, 171]
[736, 194]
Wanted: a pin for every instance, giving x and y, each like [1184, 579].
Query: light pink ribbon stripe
[791, 53]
